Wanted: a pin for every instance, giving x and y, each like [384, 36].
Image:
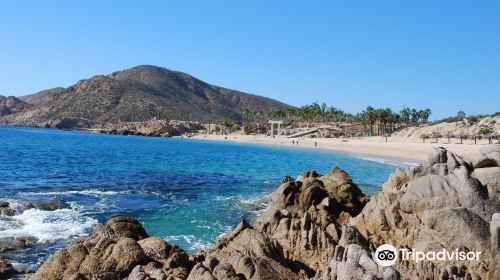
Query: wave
[257, 204]
[47, 226]
[90, 192]
[394, 162]
[194, 243]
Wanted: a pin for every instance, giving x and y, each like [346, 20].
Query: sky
[442, 55]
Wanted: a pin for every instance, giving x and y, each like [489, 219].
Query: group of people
[297, 143]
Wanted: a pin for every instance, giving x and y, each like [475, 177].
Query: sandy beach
[396, 149]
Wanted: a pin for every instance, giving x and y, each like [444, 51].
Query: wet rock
[11, 244]
[7, 211]
[6, 269]
[54, 204]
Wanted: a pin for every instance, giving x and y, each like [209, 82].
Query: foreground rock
[322, 227]
[120, 249]
[6, 269]
[446, 205]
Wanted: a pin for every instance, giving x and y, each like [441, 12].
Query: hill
[11, 105]
[137, 94]
[466, 126]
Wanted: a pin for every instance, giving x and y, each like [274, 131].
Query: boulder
[11, 244]
[5, 209]
[54, 204]
[121, 226]
[6, 269]
[489, 177]
[116, 250]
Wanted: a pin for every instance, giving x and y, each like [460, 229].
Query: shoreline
[396, 150]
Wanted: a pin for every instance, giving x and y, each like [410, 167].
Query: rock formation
[322, 227]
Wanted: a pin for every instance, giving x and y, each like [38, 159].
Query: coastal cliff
[322, 227]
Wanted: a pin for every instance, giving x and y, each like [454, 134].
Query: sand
[402, 150]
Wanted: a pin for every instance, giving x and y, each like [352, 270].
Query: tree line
[385, 121]
[374, 121]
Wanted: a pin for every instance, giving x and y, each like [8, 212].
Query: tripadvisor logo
[387, 255]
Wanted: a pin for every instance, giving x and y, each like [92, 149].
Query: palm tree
[460, 115]
[414, 116]
[424, 115]
[247, 113]
[405, 115]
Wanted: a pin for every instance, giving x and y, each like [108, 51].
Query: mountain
[11, 105]
[137, 94]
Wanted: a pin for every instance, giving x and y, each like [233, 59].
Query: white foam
[261, 203]
[47, 226]
[389, 161]
[91, 192]
[194, 243]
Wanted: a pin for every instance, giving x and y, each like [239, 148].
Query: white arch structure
[279, 123]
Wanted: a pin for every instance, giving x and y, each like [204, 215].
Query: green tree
[487, 130]
[424, 115]
[405, 114]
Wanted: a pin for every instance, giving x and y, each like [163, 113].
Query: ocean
[189, 192]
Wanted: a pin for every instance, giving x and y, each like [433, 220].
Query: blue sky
[442, 55]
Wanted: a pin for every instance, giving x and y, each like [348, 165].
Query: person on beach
[293, 142]
[315, 144]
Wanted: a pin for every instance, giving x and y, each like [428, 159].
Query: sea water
[188, 192]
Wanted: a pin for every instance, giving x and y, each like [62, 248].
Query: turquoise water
[188, 192]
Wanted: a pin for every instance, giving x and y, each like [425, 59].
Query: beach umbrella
[475, 135]
[436, 136]
[461, 135]
[424, 136]
[490, 136]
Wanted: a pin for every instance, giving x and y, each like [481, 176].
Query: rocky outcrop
[322, 227]
[56, 203]
[11, 105]
[448, 204]
[158, 128]
[6, 269]
[119, 249]
[50, 205]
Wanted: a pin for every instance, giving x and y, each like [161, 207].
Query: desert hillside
[466, 126]
[137, 94]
